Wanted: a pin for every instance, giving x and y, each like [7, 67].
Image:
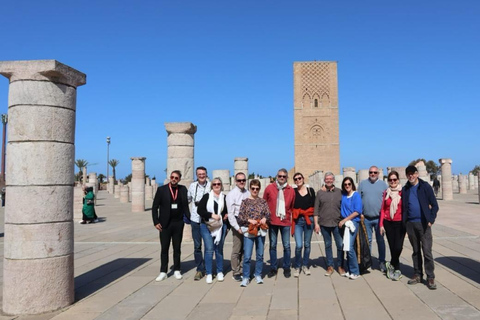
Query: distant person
[351, 211]
[371, 190]
[195, 193]
[327, 216]
[213, 211]
[253, 218]
[391, 223]
[436, 186]
[302, 224]
[169, 206]
[88, 209]
[280, 198]
[234, 200]
[420, 209]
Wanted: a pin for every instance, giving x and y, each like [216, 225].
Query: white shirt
[195, 193]
[234, 200]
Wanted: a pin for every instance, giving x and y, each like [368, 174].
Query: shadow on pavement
[100, 277]
[467, 267]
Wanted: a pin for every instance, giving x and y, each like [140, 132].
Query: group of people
[298, 211]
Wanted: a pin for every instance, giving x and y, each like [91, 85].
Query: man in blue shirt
[371, 190]
[419, 211]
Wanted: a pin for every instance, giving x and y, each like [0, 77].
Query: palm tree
[113, 163]
[80, 163]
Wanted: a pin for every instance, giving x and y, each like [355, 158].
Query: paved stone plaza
[117, 260]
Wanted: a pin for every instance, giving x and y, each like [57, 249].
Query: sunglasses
[241, 180]
[174, 178]
[255, 188]
[373, 172]
[297, 178]
[347, 184]
[281, 176]
[392, 180]
[216, 184]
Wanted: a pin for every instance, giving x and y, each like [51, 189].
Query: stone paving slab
[117, 260]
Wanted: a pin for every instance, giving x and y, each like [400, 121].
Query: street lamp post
[4, 139]
[108, 157]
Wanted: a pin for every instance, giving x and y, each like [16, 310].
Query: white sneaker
[209, 278]
[220, 276]
[162, 276]
[177, 275]
[354, 276]
[346, 274]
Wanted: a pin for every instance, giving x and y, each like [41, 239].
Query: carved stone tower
[315, 105]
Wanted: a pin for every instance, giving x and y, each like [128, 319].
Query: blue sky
[408, 76]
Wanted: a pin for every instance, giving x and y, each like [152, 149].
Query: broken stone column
[401, 174]
[338, 181]
[316, 180]
[225, 176]
[138, 184]
[462, 183]
[92, 182]
[422, 171]
[362, 175]
[111, 185]
[471, 181]
[476, 182]
[350, 172]
[38, 248]
[130, 191]
[148, 189]
[84, 176]
[455, 183]
[446, 182]
[78, 195]
[124, 194]
[181, 143]
[240, 165]
[117, 190]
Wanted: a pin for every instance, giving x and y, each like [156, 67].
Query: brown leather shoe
[431, 284]
[329, 271]
[341, 271]
[416, 279]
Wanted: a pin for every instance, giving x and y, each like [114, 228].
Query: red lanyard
[174, 197]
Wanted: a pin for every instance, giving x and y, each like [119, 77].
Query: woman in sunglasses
[254, 213]
[213, 227]
[302, 224]
[351, 209]
[391, 224]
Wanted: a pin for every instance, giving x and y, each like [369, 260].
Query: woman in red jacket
[391, 224]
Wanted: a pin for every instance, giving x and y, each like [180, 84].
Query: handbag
[213, 224]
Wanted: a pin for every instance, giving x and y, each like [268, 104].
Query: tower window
[316, 103]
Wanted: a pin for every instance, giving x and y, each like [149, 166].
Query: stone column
[446, 183]
[240, 165]
[455, 184]
[476, 182]
[401, 173]
[180, 150]
[338, 181]
[111, 185]
[362, 175]
[154, 187]
[422, 171]
[471, 181]
[77, 202]
[225, 176]
[138, 184]
[130, 191]
[117, 190]
[84, 176]
[462, 183]
[148, 189]
[38, 248]
[124, 194]
[316, 180]
[350, 172]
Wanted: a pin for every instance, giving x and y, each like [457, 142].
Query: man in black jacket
[169, 207]
[419, 211]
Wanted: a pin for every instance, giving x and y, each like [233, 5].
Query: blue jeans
[352, 262]
[375, 224]
[211, 247]
[197, 246]
[247, 255]
[327, 237]
[285, 233]
[303, 237]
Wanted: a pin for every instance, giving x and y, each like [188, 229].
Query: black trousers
[421, 240]
[395, 235]
[173, 233]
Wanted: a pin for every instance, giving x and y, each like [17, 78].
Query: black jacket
[162, 205]
[202, 207]
[426, 197]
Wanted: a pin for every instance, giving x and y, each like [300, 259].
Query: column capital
[180, 127]
[240, 159]
[49, 70]
[445, 160]
[138, 158]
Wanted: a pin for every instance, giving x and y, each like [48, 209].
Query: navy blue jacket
[427, 199]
